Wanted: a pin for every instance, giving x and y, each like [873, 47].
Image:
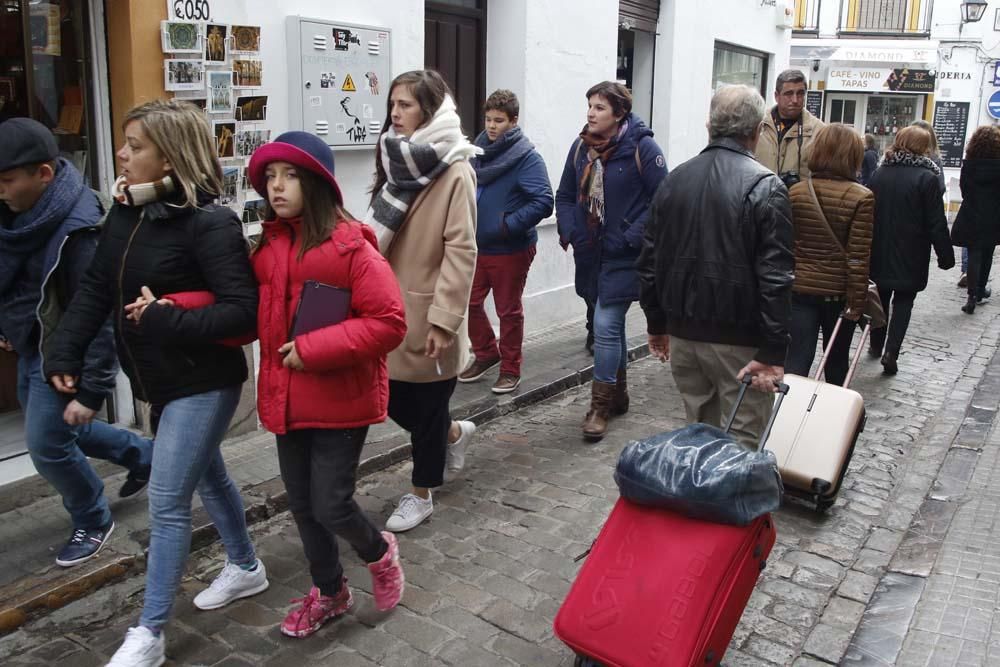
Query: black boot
[970, 305]
[889, 366]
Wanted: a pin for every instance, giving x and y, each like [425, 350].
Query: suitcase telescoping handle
[866, 323]
[744, 385]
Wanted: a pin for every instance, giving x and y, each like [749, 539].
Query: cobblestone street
[486, 574]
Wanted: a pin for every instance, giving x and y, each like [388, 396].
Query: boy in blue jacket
[513, 196]
[49, 225]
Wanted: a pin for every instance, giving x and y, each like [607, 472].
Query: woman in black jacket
[165, 236]
[977, 226]
[909, 219]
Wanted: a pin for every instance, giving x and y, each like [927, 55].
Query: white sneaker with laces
[141, 648]
[454, 459]
[410, 513]
[232, 584]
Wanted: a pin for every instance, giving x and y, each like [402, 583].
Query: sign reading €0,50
[189, 10]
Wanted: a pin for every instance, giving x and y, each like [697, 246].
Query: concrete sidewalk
[34, 526]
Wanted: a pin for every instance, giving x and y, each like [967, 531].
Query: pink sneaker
[315, 610]
[387, 576]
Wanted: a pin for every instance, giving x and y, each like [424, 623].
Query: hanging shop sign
[880, 80]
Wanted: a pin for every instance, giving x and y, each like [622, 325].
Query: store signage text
[884, 55]
[189, 10]
[903, 80]
[959, 76]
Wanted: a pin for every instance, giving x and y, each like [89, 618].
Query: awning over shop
[923, 52]
[639, 14]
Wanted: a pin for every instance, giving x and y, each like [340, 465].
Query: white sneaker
[232, 584]
[410, 513]
[454, 458]
[141, 649]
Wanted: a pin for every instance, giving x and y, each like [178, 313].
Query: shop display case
[887, 115]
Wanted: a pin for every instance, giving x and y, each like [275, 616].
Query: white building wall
[685, 53]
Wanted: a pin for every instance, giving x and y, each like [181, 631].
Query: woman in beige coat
[423, 210]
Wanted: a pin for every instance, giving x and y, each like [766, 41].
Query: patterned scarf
[908, 159]
[599, 151]
[141, 194]
[500, 156]
[411, 164]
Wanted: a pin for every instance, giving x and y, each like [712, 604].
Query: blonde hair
[912, 139]
[180, 131]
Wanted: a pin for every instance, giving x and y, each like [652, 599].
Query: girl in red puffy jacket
[320, 391]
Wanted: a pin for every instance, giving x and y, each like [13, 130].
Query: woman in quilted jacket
[320, 391]
[832, 215]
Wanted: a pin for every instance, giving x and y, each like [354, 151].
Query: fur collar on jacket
[906, 159]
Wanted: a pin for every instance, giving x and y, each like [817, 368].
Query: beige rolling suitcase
[814, 434]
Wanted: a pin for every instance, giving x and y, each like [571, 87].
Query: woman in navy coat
[602, 205]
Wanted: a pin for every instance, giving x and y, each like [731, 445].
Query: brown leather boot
[620, 403]
[595, 424]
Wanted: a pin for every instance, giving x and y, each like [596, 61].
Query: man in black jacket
[717, 267]
[48, 233]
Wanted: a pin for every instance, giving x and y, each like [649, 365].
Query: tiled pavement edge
[33, 524]
[935, 606]
[487, 572]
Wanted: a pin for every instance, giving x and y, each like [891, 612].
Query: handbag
[873, 303]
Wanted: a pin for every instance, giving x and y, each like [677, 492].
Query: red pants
[505, 275]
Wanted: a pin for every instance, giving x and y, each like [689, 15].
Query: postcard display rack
[217, 66]
[338, 74]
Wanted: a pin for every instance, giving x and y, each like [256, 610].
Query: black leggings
[980, 264]
[422, 409]
[891, 337]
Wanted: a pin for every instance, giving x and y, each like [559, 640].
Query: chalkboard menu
[814, 102]
[951, 122]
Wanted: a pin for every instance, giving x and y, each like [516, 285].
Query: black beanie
[25, 142]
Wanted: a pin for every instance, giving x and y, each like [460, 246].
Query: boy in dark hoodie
[49, 226]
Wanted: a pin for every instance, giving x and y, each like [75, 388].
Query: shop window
[737, 65]
[46, 76]
[887, 115]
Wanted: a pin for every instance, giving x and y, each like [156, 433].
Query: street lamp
[972, 11]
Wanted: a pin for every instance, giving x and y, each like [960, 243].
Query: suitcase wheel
[821, 487]
[823, 504]
[763, 564]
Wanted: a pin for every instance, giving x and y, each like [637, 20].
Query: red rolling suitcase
[660, 589]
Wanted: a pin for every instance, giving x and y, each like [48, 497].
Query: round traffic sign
[993, 106]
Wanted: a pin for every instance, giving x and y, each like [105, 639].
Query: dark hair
[429, 89]
[321, 210]
[984, 144]
[32, 168]
[869, 141]
[616, 94]
[836, 150]
[505, 101]
[789, 76]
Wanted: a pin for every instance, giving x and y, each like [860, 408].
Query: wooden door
[455, 46]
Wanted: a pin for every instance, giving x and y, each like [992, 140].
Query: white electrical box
[338, 78]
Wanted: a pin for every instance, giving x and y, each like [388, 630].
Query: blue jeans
[610, 346]
[965, 260]
[59, 451]
[186, 456]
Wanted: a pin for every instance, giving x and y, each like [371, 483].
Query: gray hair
[736, 112]
[789, 76]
